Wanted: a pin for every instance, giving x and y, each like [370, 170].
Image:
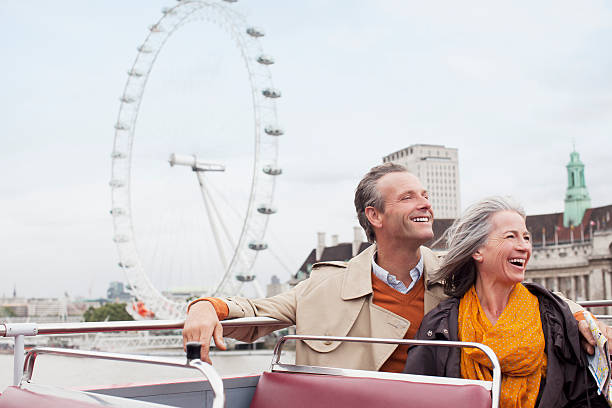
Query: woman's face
[503, 258]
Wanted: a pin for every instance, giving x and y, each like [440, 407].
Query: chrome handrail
[209, 372]
[19, 330]
[496, 382]
[595, 303]
[6, 329]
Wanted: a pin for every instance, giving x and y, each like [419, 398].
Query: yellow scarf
[517, 339]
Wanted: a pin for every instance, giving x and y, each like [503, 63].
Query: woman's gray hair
[467, 234]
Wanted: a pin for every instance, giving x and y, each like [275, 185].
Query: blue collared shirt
[392, 281]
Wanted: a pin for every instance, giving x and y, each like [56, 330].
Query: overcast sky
[510, 85]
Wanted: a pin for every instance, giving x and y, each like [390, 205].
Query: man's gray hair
[467, 234]
[368, 195]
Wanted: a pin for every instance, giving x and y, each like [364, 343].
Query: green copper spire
[577, 199]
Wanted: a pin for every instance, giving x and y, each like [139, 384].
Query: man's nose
[424, 203]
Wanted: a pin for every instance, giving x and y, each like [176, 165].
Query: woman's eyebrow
[517, 232]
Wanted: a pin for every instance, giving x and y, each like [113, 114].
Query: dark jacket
[567, 377]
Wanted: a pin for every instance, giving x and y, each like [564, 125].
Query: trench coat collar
[358, 278]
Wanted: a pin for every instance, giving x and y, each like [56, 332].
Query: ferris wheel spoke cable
[155, 265]
[227, 202]
[270, 248]
[228, 235]
[213, 227]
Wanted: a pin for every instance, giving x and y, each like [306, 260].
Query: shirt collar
[392, 281]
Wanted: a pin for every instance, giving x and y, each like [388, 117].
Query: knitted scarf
[517, 339]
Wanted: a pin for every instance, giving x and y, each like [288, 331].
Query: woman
[532, 332]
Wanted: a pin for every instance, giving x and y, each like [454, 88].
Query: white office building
[438, 169]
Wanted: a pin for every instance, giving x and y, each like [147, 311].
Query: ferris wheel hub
[193, 162]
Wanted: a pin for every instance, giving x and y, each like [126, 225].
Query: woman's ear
[477, 256]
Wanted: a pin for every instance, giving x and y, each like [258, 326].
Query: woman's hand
[587, 339]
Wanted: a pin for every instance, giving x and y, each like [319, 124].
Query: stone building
[572, 250]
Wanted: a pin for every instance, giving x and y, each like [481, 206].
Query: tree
[6, 312]
[109, 311]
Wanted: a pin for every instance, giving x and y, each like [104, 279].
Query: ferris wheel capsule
[144, 49]
[127, 99]
[121, 238]
[156, 28]
[118, 211]
[245, 278]
[258, 245]
[255, 32]
[266, 209]
[271, 93]
[135, 73]
[274, 131]
[126, 264]
[272, 171]
[116, 183]
[121, 126]
[265, 59]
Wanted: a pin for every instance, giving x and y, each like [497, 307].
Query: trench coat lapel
[358, 278]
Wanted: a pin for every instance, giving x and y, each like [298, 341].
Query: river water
[85, 373]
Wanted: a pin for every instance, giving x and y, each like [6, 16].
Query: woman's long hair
[467, 234]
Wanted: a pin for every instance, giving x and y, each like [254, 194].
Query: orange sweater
[409, 306]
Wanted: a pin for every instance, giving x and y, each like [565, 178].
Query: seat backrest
[14, 397]
[296, 390]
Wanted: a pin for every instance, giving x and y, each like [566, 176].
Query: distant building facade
[116, 292]
[573, 249]
[437, 167]
[576, 260]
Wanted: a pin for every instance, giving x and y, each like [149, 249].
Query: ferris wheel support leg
[213, 227]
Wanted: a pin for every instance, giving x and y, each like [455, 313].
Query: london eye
[236, 243]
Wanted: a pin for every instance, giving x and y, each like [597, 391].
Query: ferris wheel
[238, 254]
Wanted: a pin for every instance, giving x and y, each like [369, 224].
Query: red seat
[297, 390]
[14, 397]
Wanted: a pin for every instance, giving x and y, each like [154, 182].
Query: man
[383, 292]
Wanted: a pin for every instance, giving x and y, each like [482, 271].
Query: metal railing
[19, 330]
[215, 381]
[595, 303]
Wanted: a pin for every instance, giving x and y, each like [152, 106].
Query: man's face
[407, 212]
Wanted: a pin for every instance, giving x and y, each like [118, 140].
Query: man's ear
[374, 216]
[477, 256]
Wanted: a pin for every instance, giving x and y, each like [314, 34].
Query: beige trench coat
[336, 301]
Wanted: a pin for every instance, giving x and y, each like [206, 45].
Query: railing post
[18, 356]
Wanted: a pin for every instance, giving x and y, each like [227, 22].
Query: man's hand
[201, 324]
[587, 339]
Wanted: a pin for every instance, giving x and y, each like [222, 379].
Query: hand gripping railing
[277, 366]
[209, 372]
